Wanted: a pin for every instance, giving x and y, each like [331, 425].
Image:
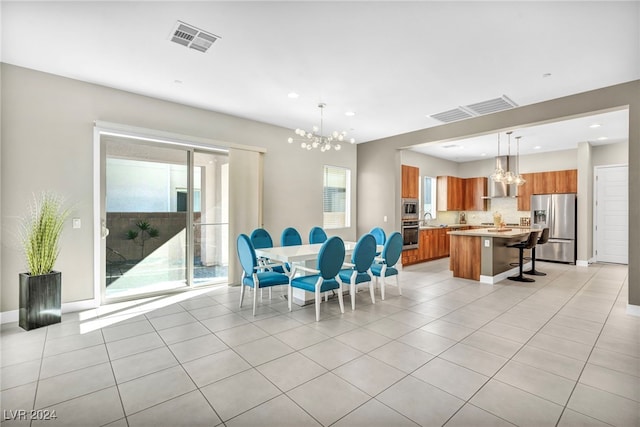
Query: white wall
[47, 137]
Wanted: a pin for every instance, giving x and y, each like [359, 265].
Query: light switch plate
[76, 223]
[385, 218]
[487, 243]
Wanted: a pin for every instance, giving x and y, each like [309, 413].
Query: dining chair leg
[255, 298]
[241, 294]
[352, 293]
[340, 300]
[372, 292]
[318, 300]
[383, 281]
[398, 285]
[260, 294]
[289, 297]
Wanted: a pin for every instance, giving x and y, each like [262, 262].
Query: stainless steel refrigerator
[558, 212]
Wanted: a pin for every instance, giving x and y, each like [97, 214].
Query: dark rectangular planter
[40, 300]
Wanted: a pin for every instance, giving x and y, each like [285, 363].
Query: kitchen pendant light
[509, 176]
[498, 173]
[519, 180]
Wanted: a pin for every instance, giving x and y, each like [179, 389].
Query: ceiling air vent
[474, 110]
[492, 105]
[192, 37]
[452, 115]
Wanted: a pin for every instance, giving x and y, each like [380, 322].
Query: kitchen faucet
[424, 217]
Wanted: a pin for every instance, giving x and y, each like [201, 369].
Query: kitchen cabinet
[410, 256]
[524, 193]
[450, 193]
[550, 182]
[564, 181]
[474, 191]
[433, 244]
[410, 179]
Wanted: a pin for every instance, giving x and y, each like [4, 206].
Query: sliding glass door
[164, 217]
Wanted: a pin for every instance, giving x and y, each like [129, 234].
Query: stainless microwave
[410, 208]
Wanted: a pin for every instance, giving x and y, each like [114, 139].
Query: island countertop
[485, 232]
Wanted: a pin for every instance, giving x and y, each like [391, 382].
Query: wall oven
[410, 234]
[409, 209]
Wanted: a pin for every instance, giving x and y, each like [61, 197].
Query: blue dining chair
[254, 275]
[317, 235]
[358, 271]
[379, 235]
[290, 237]
[260, 238]
[384, 266]
[325, 277]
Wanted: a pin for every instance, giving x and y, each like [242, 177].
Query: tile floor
[559, 352]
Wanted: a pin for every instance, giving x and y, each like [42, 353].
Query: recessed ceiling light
[602, 138]
[595, 125]
[293, 95]
[545, 75]
[537, 147]
[350, 113]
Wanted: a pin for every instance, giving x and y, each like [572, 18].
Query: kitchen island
[482, 254]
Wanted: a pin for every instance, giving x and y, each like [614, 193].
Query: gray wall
[381, 157]
[47, 144]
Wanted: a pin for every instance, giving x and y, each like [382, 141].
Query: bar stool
[530, 243]
[544, 238]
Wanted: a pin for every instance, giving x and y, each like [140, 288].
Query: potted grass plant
[41, 286]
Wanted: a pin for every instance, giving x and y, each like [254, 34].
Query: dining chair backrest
[317, 235]
[392, 249]
[364, 253]
[331, 257]
[246, 254]
[260, 238]
[379, 235]
[290, 237]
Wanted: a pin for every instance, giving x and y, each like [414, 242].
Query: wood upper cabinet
[461, 194]
[450, 193]
[567, 181]
[564, 181]
[474, 191]
[524, 192]
[410, 178]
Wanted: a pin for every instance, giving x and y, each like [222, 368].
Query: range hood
[502, 189]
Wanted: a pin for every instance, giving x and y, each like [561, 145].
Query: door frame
[190, 145]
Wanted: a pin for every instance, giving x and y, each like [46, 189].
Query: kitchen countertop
[484, 232]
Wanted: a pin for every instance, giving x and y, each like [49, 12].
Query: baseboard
[67, 307]
[582, 263]
[492, 280]
[633, 310]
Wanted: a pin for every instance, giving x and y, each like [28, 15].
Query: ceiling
[392, 63]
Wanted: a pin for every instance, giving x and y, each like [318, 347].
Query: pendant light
[498, 173]
[509, 176]
[519, 180]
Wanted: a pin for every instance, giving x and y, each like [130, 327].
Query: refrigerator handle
[552, 216]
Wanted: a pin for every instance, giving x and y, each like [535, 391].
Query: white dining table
[303, 254]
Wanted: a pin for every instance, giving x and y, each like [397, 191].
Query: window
[336, 197]
[429, 196]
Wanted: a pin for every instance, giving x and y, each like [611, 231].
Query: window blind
[336, 197]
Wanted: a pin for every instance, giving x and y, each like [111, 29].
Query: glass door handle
[104, 230]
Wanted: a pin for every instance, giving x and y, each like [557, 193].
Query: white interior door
[612, 214]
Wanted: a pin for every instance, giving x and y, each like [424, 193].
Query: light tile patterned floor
[561, 351]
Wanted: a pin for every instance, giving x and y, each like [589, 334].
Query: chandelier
[316, 138]
[508, 176]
